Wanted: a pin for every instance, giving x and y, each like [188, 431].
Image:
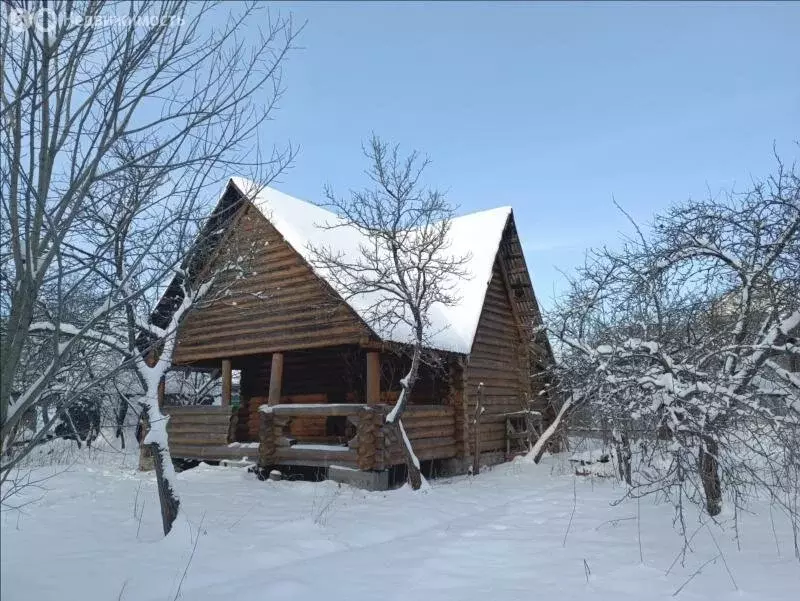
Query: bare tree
[97, 94]
[403, 267]
[686, 341]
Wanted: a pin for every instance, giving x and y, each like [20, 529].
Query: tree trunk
[394, 423]
[554, 428]
[708, 467]
[166, 495]
[154, 455]
[412, 463]
[622, 449]
[120, 415]
[145, 451]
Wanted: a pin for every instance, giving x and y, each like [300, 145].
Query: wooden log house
[316, 379]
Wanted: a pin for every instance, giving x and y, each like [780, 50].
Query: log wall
[280, 305]
[430, 428]
[431, 387]
[327, 375]
[195, 431]
[517, 279]
[498, 360]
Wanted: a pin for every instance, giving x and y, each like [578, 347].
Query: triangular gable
[514, 269]
[280, 303]
[477, 234]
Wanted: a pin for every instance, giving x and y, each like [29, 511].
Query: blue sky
[550, 108]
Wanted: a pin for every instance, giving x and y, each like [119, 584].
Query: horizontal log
[304, 398]
[197, 410]
[274, 321]
[327, 409]
[212, 452]
[417, 411]
[427, 443]
[192, 430]
[490, 328]
[441, 452]
[200, 441]
[245, 329]
[302, 455]
[198, 420]
[424, 422]
[258, 296]
[240, 347]
[435, 432]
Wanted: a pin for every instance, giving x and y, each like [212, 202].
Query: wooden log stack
[268, 441]
[191, 428]
[249, 421]
[431, 430]
[370, 439]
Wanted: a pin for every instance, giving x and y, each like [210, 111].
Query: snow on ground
[510, 533]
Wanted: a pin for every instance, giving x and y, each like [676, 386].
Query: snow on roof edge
[453, 328]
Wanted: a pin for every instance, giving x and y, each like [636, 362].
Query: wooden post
[267, 442]
[227, 382]
[275, 379]
[476, 457]
[373, 378]
[161, 390]
[459, 403]
[367, 429]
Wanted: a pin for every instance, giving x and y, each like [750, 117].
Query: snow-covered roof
[477, 235]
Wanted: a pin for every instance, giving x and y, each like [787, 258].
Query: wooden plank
[192, 430]
[275, 379]
[307, 341]
[421, 411]
[227, 382]
[161, 391]
[441, 452]
[267, 322]
[373, 378]
[286, 328]
[300, 456]
[435, 432]
[423, 422]
[327, 409]
[319, 397]
[197, 410]
[242, 324]
[203, 441]
[198, 421]
[212, 452]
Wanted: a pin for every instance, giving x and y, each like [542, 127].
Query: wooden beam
[275, 379]
[373, 378]
[161, 391]
[314, 410]
[227, 382]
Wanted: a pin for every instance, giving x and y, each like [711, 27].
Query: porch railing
[199, 431]
[364, 445]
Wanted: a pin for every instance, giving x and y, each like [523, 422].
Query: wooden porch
[208, 433]
[322, 407]
[430, 428]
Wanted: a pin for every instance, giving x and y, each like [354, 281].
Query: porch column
[227, 382]
[275, 379]
[373, 378]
